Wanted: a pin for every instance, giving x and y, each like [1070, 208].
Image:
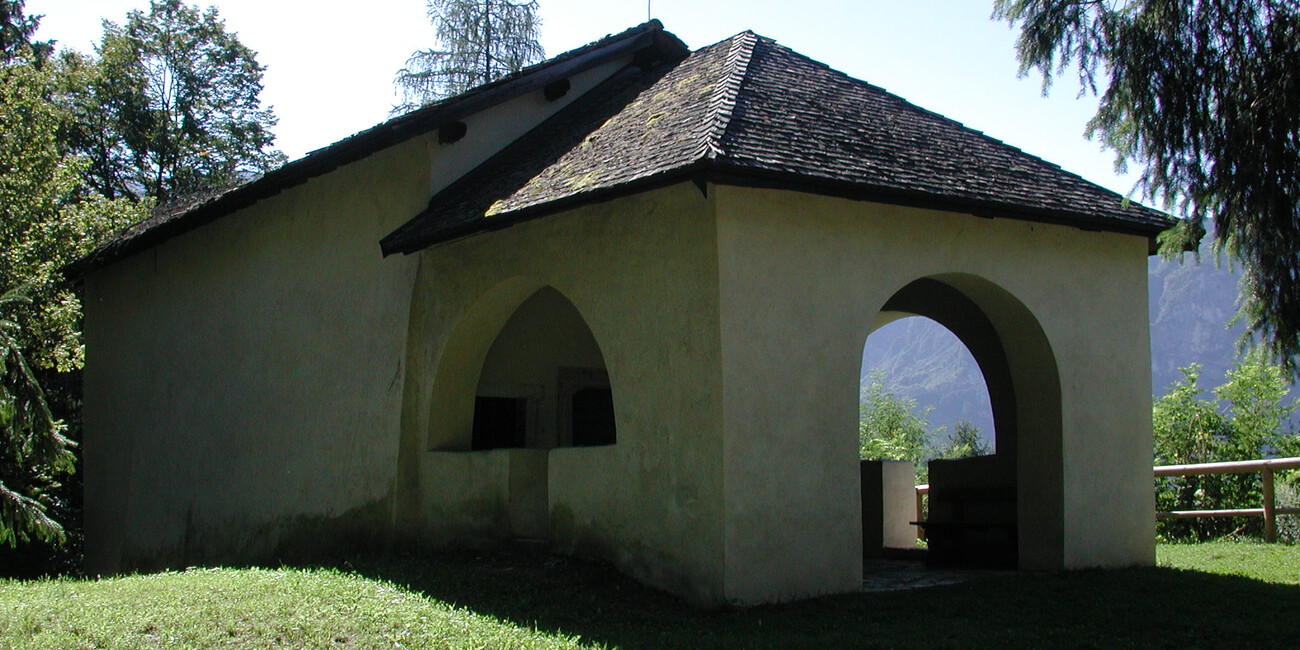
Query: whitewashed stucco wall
[802, 279]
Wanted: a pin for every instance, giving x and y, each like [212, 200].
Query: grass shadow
[1141, 607]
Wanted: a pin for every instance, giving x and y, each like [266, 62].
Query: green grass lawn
[1203, 595]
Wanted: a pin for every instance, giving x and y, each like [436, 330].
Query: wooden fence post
[1270, 514]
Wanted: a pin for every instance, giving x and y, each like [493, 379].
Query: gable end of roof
[646, 42]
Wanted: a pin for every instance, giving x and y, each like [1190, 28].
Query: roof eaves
[695, 172]
[648, 36]
[705, 171]
[1150, 224]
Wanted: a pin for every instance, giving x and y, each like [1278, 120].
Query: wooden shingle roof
[748, 111]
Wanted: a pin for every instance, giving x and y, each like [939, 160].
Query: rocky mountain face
[1190, 305]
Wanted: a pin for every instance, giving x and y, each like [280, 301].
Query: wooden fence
[1266, 467]
[1269, 511]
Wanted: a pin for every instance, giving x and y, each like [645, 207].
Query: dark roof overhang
[707, 172]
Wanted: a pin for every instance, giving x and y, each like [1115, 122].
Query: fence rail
[1265, 467]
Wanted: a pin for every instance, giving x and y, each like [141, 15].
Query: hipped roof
[746, 111]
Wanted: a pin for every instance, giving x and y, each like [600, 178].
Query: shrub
[1246, 421]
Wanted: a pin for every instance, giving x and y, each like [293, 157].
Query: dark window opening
[593, 417]
[499, 423]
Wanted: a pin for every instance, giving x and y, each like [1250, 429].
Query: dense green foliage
[33, 449]
[1201, 596]
[170, 108]
[966, 441]
[1203, 95]
[891, 427]
[37, 315]
[1245, 420]
[16, 31]
[478, 41]
[47, 219]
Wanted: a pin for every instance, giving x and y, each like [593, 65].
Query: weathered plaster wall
[802, 279]
[244, 380]
[642, 273]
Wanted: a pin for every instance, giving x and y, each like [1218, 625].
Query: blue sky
[331, 64]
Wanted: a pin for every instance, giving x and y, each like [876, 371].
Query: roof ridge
[723, 102]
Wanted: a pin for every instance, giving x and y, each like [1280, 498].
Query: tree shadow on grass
[1142, 607]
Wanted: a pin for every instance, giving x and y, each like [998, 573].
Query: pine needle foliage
[33, 449]
[478, 41]
[1204, 95]
[16, 31]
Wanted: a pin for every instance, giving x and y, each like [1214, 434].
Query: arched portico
[733, 356]
[519, 375]
[1000, 504]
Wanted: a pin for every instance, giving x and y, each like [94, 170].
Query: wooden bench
[975, 526]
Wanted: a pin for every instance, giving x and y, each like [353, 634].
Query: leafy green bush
[1287, 494]
[1244, 422]
[891, 427]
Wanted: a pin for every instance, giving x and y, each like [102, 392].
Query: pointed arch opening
[543, 383]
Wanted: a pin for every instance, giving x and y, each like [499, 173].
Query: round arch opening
[1000, 509]
[521, 369]
[916, 363]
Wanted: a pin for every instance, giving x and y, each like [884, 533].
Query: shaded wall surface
[244, 380]
[641, 272]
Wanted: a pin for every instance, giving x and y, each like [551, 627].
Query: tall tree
[171, 108]
[47, 219]
[479, 40]
[1205, 96]
[16, 31]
